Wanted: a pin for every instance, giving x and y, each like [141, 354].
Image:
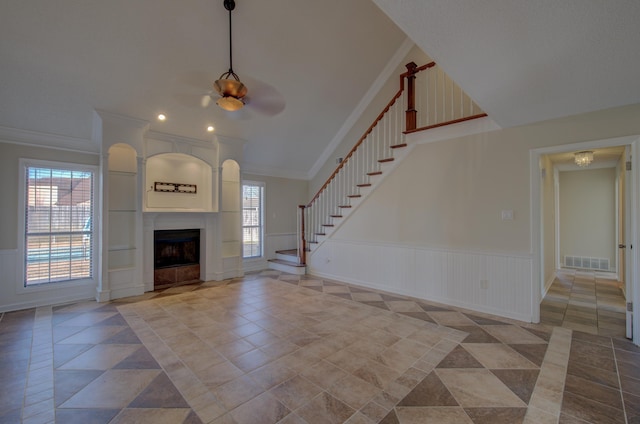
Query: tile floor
[585, 301]
[278, 348]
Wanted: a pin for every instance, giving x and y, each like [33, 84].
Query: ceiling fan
[232, 93]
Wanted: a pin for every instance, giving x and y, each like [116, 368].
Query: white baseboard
[444, 301]
[17, 306]
[547, 285]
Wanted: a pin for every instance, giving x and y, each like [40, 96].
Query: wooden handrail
[354, 148]
[443, 124]
[412, 69]
[410, 126]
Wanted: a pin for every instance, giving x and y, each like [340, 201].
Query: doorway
[578, 279]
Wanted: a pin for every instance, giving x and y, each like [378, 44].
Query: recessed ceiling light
[210, 128]
[161, 117]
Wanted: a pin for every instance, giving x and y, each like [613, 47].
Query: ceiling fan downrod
[229, 86]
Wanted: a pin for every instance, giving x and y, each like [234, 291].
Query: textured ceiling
[307, 63]
[526, 61]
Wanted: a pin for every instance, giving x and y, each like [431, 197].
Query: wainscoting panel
[13, 297]
[494, 283]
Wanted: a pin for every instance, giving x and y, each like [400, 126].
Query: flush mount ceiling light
[583, 158]
[229, 86]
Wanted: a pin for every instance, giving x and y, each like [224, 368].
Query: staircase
[287, 261]
[381, 148]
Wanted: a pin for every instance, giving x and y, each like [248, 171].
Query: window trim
[263, 186]
[21, 288]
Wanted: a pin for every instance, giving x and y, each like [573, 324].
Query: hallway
[591, 302]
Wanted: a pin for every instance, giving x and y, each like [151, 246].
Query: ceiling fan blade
[206, 100]
[263, 98]
[268, 106]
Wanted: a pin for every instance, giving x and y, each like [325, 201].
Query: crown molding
[48, 140]
[129, 120]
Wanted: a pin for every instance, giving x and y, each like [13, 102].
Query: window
[58, 225]
[252, 219]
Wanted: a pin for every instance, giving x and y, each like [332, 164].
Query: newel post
[302, 243]
[411, 114]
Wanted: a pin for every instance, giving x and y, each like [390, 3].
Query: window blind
[252, 222]
[59, 228]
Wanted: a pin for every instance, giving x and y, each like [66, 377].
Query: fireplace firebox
[176, 258]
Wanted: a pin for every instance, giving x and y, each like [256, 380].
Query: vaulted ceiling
[307, 63]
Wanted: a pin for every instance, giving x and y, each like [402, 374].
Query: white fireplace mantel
[210, 249]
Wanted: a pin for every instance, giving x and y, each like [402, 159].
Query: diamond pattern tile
[272, 347]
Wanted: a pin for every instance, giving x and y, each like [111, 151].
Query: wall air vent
[582, 262]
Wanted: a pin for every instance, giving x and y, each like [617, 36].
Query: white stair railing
[431, 99]
[351, 176]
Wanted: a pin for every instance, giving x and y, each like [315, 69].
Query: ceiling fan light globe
[230, 87]
[230, 103]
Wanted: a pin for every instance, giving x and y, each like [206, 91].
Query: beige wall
[588, 213]
[9, 157]
[450, 194]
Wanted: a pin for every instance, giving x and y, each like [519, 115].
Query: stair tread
[283, 262]
[397, 146]
[354, 195]
[374, 173]
[364, 185]
[386, 160]
[335, 216]
[288, 252]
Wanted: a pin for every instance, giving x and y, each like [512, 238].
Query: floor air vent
[597, 264]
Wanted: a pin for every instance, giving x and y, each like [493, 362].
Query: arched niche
[190, 177]
[230, 185]
[122, 158]
[122, 202]
[231, 210]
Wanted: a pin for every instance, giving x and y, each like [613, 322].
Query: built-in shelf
[231, 208]
[122, 208]
[123, 269]
[176, 210]
[112, 172]
[120, 248]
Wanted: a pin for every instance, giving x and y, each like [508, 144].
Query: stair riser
[296, 270]
[286, 257]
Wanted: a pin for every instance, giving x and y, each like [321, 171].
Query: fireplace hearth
[176, 258]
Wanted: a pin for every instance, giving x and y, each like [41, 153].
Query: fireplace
[176, 257]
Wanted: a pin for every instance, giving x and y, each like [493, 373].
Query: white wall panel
[445, 276]
[12, 299]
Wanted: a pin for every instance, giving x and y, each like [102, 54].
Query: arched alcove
[231, 211]
[177, 182]
[122, 205]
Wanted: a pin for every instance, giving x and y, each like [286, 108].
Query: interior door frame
[632, 257]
